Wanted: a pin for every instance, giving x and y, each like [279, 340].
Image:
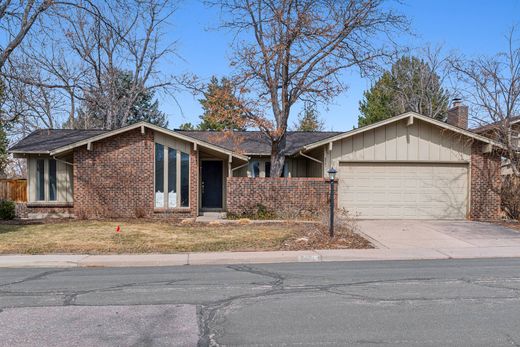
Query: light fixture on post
[332, 176]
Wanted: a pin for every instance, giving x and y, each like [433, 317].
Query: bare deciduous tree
[288, 51]
[83, 56]
[492, 86]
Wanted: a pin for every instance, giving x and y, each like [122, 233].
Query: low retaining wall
[283, 196]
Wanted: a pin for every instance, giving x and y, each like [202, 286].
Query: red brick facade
[116, 179]
[283, 195]
[485, 184]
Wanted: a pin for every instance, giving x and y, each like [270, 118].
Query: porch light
[332, 175]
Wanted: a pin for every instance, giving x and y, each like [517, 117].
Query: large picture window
[159, 175]
[185, 180]
[172, 178]
[172, 172]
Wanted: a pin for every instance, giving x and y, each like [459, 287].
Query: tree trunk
[278, 156]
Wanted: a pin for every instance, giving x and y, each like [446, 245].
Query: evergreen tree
[410, 85]
[187, 126]
[309, 119]
[96, 104]
[220, 107]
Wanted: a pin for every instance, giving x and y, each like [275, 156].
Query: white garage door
[404, 191]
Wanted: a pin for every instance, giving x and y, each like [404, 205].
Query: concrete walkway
[129, 260]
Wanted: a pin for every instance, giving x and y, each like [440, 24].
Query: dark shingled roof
[46, 140]
[255, 142]
[244, 142]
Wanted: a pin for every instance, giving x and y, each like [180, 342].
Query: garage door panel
[404, 190]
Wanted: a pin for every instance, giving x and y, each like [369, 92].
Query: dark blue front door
[211, 183]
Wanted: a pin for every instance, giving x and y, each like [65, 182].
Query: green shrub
[7, 209]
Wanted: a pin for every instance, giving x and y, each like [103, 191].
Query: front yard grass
[100, 237]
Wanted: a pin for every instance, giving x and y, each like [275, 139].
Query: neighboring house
[408, 166]
[493, 131]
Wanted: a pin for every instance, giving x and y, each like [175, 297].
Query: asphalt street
[405, 303]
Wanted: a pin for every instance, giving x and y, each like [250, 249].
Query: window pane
[185, 180]
[172, 178]
[284, 170]
[254, 167]
[40, 179]
[52, 180]
[159, 175]
[267, 169]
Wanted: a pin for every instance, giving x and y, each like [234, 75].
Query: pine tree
[309, 119]
[410, 85]
[218, 104]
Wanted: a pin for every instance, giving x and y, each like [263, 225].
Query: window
[53, 189]
[172, 171]
[172, 178]
[268, 169]
[254, 168]
[185, 179]
[159, 175]
[284, 170]
[40, 180]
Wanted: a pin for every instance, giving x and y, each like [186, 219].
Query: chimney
[458, 114]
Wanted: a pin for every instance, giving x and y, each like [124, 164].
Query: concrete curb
[226, 258]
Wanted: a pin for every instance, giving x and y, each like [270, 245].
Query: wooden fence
[14, 189]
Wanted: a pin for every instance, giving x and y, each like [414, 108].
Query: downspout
[311, 158]
[61, 160]
[239, 167]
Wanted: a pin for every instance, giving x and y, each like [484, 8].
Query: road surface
[404, 303]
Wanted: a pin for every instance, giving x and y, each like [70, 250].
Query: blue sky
[469, 27]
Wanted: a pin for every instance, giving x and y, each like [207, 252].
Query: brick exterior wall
[485, 184]
[299, 196]
[116, 179]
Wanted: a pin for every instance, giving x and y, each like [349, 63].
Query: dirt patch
[316, 236]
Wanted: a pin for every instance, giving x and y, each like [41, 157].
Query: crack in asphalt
[35, 277]
[211, 315]
[211, 319]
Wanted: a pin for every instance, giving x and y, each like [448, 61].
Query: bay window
[171, 173]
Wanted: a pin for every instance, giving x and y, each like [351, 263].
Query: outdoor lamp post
[332, 175]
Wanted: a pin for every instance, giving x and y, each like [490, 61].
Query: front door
[211, 184]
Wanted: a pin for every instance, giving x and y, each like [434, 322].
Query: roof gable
[410, 116]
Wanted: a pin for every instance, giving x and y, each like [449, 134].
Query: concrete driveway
[435, 234]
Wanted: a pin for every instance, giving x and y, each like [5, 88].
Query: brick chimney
[458, 114]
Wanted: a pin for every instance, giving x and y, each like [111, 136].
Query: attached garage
[414, 167]
[402, 190]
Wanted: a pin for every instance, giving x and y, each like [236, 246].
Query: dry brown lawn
[100, 237]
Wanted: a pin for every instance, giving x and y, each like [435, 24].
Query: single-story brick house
[408, 166]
